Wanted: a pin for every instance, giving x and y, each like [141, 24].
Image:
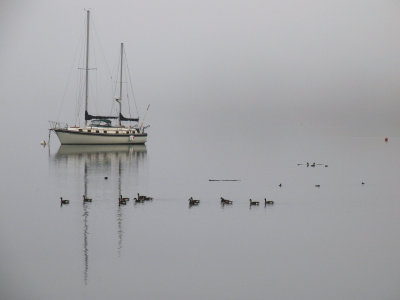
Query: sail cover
[122, 118]
[90, 117]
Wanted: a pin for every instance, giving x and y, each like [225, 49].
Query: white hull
[67, 137]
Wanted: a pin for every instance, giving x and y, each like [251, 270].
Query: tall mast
[87, 64]
[120, 85]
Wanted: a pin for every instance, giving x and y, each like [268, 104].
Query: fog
[224, 79]
[316, 66]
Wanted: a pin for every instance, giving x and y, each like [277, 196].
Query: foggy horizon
[332, 65]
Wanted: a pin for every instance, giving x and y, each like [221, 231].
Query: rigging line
[130, 81]
[115, 85]
[69, 74]
[79, 97]
[79, 89]
[102, 50]
[93, 84]
[127, 95]
[129, 107]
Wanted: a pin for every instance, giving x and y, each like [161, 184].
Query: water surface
[340, 240]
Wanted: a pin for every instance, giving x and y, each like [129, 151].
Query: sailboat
[100, 130]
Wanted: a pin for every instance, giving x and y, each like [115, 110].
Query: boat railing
[58, 125]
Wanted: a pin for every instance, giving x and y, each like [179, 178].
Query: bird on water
[193, 201]
[86, 199]
[254, 202]
[63, 201]
[269, 202]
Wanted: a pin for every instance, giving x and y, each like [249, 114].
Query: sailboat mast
[120, 86]
[87, 65]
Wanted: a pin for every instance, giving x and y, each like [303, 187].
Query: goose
[144, 197]
[254, 202]
[138, 200]
[85, 199]
[123, 199]
[193, 202]
[318, 185]
[63, 201]
[225, 201]
[121, 202]
[280, 185]
[363, 183]
[268, 202]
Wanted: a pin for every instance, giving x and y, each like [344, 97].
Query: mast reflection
[94, 160]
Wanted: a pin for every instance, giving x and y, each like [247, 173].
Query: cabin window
[97, 131]
[80, 130]
[89, 130]
[105, 131]
[117, 132]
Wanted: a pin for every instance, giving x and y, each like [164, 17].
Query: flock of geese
[143, 198]
[121, 200]
[313, 165]
[193, 202]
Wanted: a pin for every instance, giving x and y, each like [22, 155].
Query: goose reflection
[110, 160]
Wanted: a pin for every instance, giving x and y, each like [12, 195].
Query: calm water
[338, 241]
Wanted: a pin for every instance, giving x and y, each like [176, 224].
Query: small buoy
[386, 139]
[363, 182]
[43, 143]
[280, 185]
[106, 178]
[317, 185]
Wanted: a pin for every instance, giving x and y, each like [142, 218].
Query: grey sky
[331, 65]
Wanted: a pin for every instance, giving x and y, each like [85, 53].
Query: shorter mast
[120, 87]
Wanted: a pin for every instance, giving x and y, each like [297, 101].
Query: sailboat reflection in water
[114, 161]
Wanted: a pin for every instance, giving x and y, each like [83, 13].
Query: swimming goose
[138, 200]
[226, 201]
[63, 201]
[85, 199]
[254, 202]
[268, 202]
[123, 199]
[193, 202]
[143, 197]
